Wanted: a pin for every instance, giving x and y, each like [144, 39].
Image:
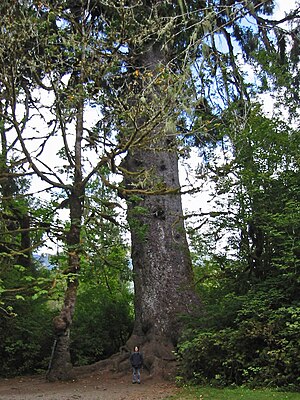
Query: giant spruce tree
[206, 37]
[163, 280]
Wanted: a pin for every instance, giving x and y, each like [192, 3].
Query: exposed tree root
[159, 359]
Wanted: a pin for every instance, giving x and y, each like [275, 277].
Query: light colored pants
[136, 374]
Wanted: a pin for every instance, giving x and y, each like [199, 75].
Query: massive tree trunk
[163, 278]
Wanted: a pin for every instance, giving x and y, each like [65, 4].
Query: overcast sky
[284, 6]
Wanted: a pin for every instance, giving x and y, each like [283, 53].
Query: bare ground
[100, 385]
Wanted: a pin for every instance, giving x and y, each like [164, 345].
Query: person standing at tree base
[136, 360]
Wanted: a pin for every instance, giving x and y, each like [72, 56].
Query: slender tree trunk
[60, 367]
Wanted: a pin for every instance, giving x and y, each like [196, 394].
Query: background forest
[96, 97]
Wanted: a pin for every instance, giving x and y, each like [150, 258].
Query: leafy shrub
[102, 324]
[26, 339]
[258, 346]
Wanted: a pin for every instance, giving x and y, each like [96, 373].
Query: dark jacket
[136, 359]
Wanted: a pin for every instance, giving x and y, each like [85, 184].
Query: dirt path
[96, 386]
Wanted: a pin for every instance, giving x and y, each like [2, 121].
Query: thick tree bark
[163, 278]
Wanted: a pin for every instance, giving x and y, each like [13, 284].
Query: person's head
[136, 348]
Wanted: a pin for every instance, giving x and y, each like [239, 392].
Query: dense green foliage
[103, 321]
[26, 339]
[26, 326]
[251, 339]
[249, 283]
[102, 324]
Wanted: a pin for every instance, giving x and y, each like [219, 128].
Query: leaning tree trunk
[163, 278]
[60, 367]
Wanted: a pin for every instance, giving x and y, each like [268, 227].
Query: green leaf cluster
[26, 337]
[250, 339]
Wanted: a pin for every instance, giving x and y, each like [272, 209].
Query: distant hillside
[44, 259]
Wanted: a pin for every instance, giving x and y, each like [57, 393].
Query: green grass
[207, 393]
